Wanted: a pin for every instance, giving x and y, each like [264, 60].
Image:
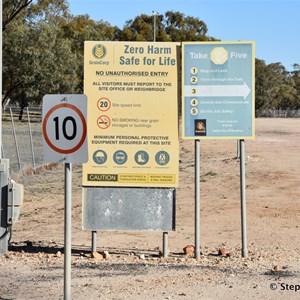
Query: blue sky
[273, 24]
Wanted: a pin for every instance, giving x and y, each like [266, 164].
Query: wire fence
[278, 113]
[22, 134]
[22, 137]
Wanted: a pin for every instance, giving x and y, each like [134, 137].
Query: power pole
[155, 13]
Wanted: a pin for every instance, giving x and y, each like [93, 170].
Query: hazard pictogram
[103, 122]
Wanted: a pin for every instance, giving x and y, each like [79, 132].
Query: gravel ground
[128, 265]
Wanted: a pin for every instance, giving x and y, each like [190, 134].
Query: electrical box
[15, 194]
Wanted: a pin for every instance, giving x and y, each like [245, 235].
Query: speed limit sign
[64, 128]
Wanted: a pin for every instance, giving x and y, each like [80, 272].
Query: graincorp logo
[99, 51]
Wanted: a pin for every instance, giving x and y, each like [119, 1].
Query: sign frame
[212, 67]
[136, 135]
[65, 141]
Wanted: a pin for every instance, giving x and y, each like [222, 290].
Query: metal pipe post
[15, 138]
[197, 199]
[165, 245]
[238, 151]
[68, 231]
[155, 13]
[30, 138]
[243, 198]
[2, 152]
[154, 27]
[94, 241]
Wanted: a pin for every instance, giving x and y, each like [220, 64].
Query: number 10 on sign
[64, 128]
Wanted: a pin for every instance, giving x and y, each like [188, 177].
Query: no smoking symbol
[103, 104]
[103, 122]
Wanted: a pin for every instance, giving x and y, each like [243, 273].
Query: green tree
[37, 59]
[274, 87]
[139, 29]
[79, 29]
[41, 63]
[184, 28]
[295, 74]
[12, 10]
[172, 26]
[286, 94]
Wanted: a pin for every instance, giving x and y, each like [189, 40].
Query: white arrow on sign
[241, 90]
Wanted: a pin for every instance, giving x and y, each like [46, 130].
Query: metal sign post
[218, 103]
[132, 144]
[94, 241]
[197, 199]
[165, 244]
[68, 231]
[64, 141]
[165, 234]
[243, 198]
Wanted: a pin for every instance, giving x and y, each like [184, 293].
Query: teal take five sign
[218, 90]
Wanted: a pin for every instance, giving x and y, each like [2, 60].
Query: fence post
[30, 137]
[15, 138]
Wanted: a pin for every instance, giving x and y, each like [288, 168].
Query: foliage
[180, 28]
[43, 48]
[275, 88]
[13, 9]
[37, 58]
[172, 26]
[139, 29]
[80, 29]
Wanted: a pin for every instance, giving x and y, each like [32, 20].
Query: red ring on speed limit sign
[84, 131]
[103, 104]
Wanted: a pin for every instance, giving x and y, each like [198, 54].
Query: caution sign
[133, 114]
